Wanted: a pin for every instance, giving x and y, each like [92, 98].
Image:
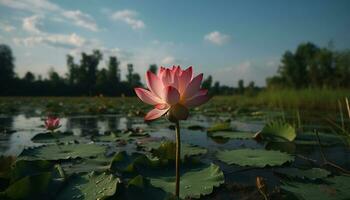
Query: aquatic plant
[172, 92]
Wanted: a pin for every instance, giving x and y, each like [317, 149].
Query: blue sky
[228, 39]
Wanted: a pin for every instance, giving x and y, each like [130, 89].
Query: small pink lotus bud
[52, 123]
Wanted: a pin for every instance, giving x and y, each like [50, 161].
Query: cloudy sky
[228, 39]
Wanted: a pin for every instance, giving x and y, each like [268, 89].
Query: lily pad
[232, 135]
[31, 187]
[140, 188]
[254, 157]
[55, 137]
[167, 149]
[221, 126]
[194, 183]
[334, 188]
[312, 174]
[113, 137]
[277, 131]
[90, 186]
[62, 152]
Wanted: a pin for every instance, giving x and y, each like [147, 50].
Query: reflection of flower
[52, 123]
[172, 91]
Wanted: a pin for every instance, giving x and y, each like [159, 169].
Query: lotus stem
[177, 159]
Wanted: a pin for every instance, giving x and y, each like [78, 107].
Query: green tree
[113, 70]
[29, 77]
[207, 82]
[240, 86]
[7, 66]
[153, 68]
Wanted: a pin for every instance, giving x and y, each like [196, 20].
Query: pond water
[17, 132]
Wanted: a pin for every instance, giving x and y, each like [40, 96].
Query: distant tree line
[308, 66]
[312, 66]
[84, 78]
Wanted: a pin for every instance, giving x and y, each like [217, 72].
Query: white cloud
[56, 40]
[35, 6]
[42, 7]
[129, 17]
[81, 19]
[217, 38]
[7, 27]
[30, 24]
[168, 60]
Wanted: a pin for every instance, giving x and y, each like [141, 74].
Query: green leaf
[334, 188]
[24, 168]
[194, 183]
[140, 188]
[231, 135]
[55, 137]
[312, 174]
[131, 164]
[32, 187]
[254, 157]
[62, 152]
[277, 131]
[6, 163]
[90, 186]
[221, 126]
[165, 150]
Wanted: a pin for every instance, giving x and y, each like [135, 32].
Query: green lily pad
[32, 187]
[132, 164]
[55, 137]
[90, 186]
[194, 183]
[334, 188]
[221, 126]
[6, 163]
[277, 131]
[24, 168]
[232, 135]
[113, 137]
[312, 174]
[140, 188]
[254, 157]
[166, 150]
[62, 152]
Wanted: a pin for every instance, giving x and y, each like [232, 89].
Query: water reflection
[27, 127]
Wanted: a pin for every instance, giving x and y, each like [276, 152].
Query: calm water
[17, 131]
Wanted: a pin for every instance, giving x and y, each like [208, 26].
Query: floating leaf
[194, 183]
[131, 164]
[277, 131]
[29, 187]
[61, 152]
[6, 163]
[221, 126]
[24, 168]
[55, 137]
[167, 149]
[254, 157]
[313, 173]
[90, 186]
[231, 135]
[140, 188]
[334, 188]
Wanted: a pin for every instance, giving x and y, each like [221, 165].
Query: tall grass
[290, 99]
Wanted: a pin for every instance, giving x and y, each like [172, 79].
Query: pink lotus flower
[173, 91]
[52, 123]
